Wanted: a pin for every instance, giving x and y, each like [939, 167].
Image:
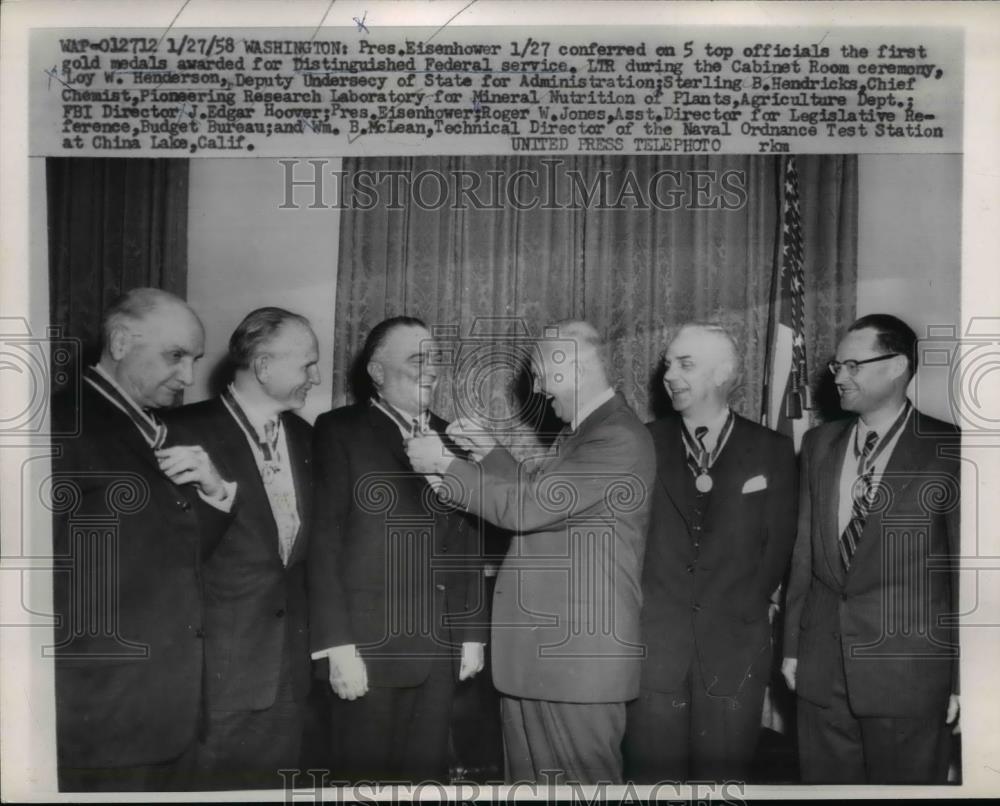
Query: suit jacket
[893, 616]
[391, 569]
[255, 606]
[128, 544]
[706, 587]
[567, 597]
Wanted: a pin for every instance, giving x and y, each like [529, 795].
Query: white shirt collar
[595, 403]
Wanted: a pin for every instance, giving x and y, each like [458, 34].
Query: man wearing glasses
[871, 645]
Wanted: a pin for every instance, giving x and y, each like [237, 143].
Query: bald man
[133, 521]
[566, 650]
[720, 539]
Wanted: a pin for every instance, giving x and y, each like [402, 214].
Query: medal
[703, 483]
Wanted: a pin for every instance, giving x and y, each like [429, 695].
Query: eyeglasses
[852, 366]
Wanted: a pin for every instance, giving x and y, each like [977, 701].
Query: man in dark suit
[256, 616]
[133, 521]
[720, 537]
[394, 575]
[871, 638]
[566, 649]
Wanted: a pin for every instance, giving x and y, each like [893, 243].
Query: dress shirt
[258, 420]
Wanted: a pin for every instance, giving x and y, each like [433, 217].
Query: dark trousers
[395, 734]
[245, 749]
[169, 776]
[838, 747]
[692, 734]
[562, 742]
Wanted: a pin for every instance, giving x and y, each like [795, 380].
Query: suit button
[199, 633]
[444, 549]
[697, 527]
[280, 612]
[690, 569]
[185, 505]
[695, 607]
[439, 587]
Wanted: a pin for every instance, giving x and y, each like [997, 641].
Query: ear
[260, 368]
[119, 343]
[900, 367]
[721, 373]
[376, 372]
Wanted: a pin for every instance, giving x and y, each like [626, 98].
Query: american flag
[786, 395]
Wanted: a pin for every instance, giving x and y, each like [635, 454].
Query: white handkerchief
[755, 484]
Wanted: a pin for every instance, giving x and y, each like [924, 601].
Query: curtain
[635, 270]
[113, 224]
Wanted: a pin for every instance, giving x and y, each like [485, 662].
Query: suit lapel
[900, 471]
[239, 457]
[387, 433]
[671, 466]
[298, 460]
[831, 466]
[117, 427]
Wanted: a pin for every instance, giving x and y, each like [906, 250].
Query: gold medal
[703, 483]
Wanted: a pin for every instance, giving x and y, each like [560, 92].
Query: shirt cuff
[224, 501]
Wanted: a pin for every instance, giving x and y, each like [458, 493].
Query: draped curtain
[113, 225]
[635, 273]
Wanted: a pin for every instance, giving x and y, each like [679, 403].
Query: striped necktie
[863, 492]
[859, 508]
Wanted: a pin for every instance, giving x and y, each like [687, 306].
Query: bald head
[702, 368]
[151, 341]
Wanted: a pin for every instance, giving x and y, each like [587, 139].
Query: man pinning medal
[720, 538]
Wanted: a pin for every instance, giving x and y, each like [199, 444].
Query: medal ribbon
[414, 427]
[268, 448]
[866, 462]
[149, 425]
[699, 458]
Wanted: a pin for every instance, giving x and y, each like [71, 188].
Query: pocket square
[755, 484]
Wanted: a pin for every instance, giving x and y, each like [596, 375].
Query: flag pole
[772, 313]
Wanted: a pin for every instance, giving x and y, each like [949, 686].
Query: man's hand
[954, 710]
[472, 437]
[191, 464]
[788, 668]
[428, 455]
[473, 659]
[348, 675]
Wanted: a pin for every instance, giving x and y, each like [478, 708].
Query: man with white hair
[133, 521]
[720, 538]
[566, 651]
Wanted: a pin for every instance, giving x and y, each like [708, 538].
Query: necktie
[862, 500]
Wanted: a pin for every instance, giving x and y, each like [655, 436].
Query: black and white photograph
[469, 401]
